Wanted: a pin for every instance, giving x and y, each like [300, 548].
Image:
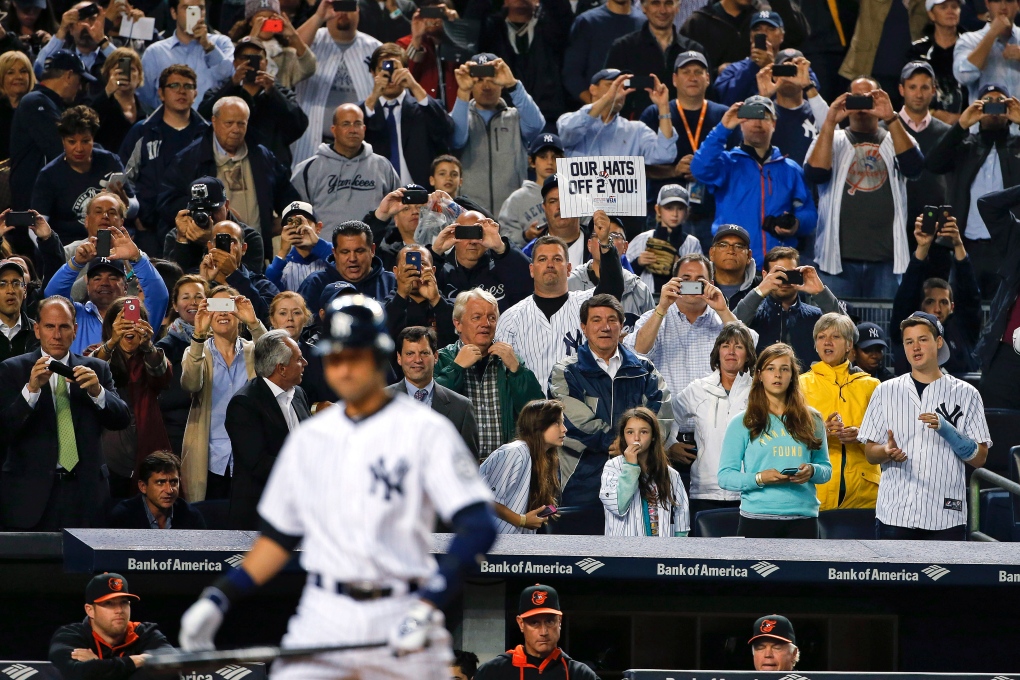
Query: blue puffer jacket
[592, 405]
[745, 192]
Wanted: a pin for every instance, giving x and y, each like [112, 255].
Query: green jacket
[515, 389]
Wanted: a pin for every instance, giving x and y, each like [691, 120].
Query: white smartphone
[221, 305]
[117, 177]
[192, 16]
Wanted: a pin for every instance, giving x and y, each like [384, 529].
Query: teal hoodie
[742, 459]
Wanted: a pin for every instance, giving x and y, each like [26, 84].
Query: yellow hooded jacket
[845, 391]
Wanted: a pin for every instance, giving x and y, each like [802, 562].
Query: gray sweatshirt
[341, 188]
[519, 210]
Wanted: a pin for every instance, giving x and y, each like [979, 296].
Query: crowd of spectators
[180, 209]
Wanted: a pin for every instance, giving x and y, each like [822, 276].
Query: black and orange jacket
[515, 664]
[114, 663]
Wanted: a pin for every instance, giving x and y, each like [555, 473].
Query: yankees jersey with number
[507, 472]
[928, 490]
[364, 494]
[541, 342]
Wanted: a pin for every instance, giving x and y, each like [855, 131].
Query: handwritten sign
[615, 184]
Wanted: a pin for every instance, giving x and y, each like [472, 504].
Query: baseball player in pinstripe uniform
[546, 326]
[922, 427]
[359, 489]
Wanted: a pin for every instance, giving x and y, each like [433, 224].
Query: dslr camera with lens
[199, 206]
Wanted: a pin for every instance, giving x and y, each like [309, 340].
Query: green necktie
[68, 452]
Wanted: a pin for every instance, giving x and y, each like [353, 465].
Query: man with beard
[107, 643]
[82, 32]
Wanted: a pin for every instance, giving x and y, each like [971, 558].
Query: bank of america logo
[590, 565]
[19, 671]
[935, 572]
[1002, 677]
[234, 560]
[794, 676]
[764, 569]
[233, 672]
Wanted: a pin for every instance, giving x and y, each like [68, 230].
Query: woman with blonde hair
[118, 106]
[641, 493]
[525, 474]
[289, 312]
[774, 453]
[16, 80]
[217, 364]
[841, 393]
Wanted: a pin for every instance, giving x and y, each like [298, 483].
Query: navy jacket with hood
[378, 284]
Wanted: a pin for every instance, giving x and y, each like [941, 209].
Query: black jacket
[32, 447]
[963, 327]
[34, 141]
[113, 126]
[257, 430]
[539, 69]
[725, 43]
[112, 664]
[506, 276]
[175, 401]
[425, 132]
[189, 255]
[962, 154]
[23, 342]
[272, 182]
[276, 119]
[515, 664]
[403, 312]
[1005, 230]
[639, 53]
[130, 514]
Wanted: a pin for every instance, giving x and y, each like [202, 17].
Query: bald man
[490, 262]
[256, 183]
[348, 179]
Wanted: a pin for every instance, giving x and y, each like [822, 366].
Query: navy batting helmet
[354, 322]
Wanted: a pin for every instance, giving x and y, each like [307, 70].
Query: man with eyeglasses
[225, 268]
[151, 143]
[735, 269]
[17, 331]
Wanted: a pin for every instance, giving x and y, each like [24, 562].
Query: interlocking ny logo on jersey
[951, 417]
[573, 342]
[393, 481]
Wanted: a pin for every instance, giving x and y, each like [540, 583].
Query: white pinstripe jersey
[928, 490]
[539, 341]
[507, 472]
[364, 494]
[632, 521]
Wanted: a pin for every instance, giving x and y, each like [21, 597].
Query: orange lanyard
[701, 121]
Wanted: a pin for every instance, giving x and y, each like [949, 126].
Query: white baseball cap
[928, 4]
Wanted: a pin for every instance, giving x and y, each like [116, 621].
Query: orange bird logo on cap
[115, 584]
[538, 597]
[767, 625]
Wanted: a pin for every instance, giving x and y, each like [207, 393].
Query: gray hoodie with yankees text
[341, 188]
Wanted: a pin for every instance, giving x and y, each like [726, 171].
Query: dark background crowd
[185, 197]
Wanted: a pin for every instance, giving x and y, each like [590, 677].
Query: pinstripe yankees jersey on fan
[507, 472]
[364, 494]
[541, 342]
[927, 490]
[631, 522]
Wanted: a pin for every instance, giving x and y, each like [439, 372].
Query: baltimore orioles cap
[105, 587]
[538, 599]
[773, 626]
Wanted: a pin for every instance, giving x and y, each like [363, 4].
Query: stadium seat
[854, 523]
[1004, 426]
[214, 512]
[716, 523]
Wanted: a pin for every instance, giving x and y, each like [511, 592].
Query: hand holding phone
[223, 241]
[784, 71]
[860, 102]
[692, 287]
[19, 219]
[413, 257]
[60, 369]
[930, 219]
[103, 239]
[221, 305]
[760, 41]
[468, 232]
[192, 17]
[132, 309]
[254, 64]
[272, 26]
[789, 472]
[482, 70]
[794, 277]
[547, 511]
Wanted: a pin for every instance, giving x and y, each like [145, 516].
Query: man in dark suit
[260, 415]
[159, 504]
[54, 476]
[416, 355]
[399, 106]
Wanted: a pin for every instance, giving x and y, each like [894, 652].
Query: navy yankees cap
[605, 74]
[65, 60]
[538, 599]
[871, 334]
[334, 290]
[483, 58]
[940, 332]
[732, 230]
[773, 626]
[215, 194]
[545, 140]
[913, 67]
[551, 182]
[687, 57]
[766, 17]
[992, 87]
[100, 263]
[107, 586]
